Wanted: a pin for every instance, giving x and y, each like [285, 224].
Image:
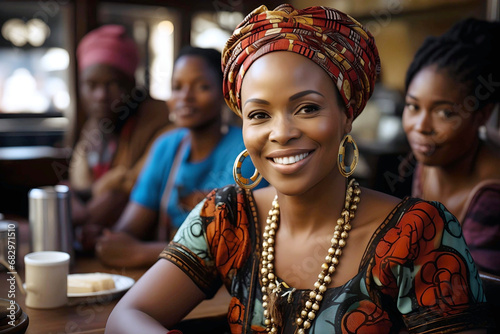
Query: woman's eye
[258, 115]
[411, 107]
[308, 109]
[446, 113]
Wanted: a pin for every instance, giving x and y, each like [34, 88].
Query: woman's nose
[283, 130]
[186, 93]
[423, 122]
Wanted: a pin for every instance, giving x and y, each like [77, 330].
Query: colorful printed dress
[416, 274]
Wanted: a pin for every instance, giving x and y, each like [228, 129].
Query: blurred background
[40, 115]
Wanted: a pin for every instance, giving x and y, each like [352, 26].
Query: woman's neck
[452, 177]
[204, 140]
[317, 208]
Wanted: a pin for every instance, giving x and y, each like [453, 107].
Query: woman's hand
[119, 249]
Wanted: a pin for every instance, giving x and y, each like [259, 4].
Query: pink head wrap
[108, 45]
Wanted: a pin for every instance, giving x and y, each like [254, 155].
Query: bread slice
[85, 283]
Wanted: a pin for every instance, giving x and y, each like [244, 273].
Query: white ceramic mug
[46, 279]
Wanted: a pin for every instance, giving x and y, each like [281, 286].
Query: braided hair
[469, 53]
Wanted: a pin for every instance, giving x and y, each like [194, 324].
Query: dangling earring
[347, 171]
[239, 179]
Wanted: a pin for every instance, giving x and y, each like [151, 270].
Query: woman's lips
[426, 149]
[290, 163]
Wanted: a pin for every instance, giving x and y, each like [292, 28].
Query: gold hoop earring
[243, 182]
[347, 171]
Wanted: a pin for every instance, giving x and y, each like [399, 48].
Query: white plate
[122, 283]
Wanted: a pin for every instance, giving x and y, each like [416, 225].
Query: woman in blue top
[184, 164]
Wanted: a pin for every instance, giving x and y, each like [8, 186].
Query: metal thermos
[50, 219]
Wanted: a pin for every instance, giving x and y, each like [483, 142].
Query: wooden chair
[491, 285]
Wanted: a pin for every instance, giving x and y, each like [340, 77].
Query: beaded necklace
[269, 280]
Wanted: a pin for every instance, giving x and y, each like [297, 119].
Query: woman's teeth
[290, 160]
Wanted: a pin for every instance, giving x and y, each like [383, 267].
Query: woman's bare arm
[159, 300]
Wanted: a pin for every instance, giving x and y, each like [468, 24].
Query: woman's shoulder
[375, 206]
[488, 162]
[170, 138]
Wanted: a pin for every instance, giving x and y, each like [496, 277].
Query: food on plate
[95, 282]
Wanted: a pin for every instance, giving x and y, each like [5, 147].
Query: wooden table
[89, 316]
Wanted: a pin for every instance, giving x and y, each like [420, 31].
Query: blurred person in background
[184, 165]
[452, 87]
[122, 121]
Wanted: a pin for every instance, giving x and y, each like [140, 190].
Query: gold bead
[322, 288]
[303, 314]
[338, 252]
[312, 294]
[347, 227]
[309, 304]
[267, 322]
[264, 298]
[307, 324]
[299, 320]
[340, 221]
[270, 249]
[270, 241]
[315, 306]
[270, 257]
[351, 215]
[321, 276]
[265, 280]
[331, 250]
[311, 315]
[270, 266]
[276, 212]
[328, 258]
[301, 331]
[265, 244]
[317, 285]
[345, 213]
[319, 298]
[357, 191]
[263, 289]
[335, 261]
[356, 199]
[272, 286]
[265, 235]
[335, 242]
[331, 270]
[328, 279]
[339, 228]
[274, 225]
[354, 207]
[264, 304]
[266, 313]
[272, 232]
[342, 243]
[274, 330]
[344, 235]
[324, 266]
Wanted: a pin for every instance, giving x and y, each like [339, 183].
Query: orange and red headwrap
[330, 38]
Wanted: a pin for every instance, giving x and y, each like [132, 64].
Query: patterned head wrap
[330, 38]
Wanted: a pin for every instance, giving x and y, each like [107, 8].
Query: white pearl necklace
[268, 279]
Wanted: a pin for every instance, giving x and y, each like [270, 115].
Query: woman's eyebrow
[258, 101]
[304, 93]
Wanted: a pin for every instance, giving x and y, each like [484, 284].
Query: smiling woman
[314, 252]
[450, 96]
